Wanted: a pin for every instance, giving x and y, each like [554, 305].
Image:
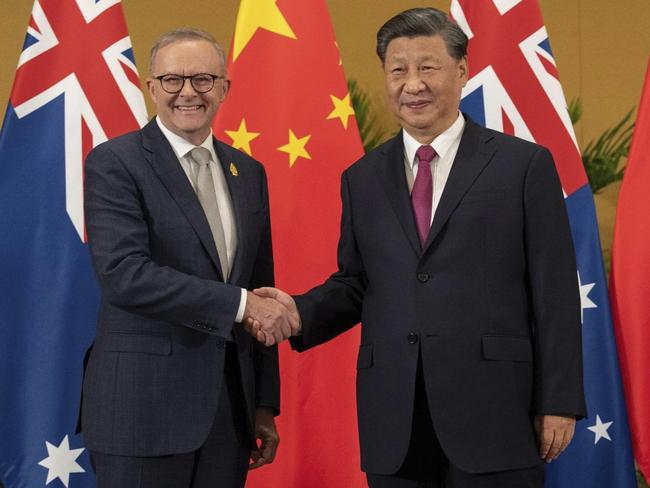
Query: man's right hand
[268, 319]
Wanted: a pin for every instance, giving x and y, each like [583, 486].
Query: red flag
[630, 283]
[289, 107]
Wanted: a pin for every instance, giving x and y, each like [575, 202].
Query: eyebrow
[402, 59]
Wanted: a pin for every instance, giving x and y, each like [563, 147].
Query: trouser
[221, 462]
[427, 466]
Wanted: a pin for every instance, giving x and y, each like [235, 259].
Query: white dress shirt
[182, 149]
[446, 147]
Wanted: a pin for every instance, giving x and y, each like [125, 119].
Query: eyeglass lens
[202, 83]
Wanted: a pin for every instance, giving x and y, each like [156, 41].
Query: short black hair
[417, 22]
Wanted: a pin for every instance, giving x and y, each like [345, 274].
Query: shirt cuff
[242, 306]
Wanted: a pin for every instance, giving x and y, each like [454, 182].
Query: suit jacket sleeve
[335, 306]
[118, 237]
[553, 290]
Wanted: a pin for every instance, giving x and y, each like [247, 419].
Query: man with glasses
[175, 391]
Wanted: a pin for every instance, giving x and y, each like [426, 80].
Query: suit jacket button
[423, 277]
[412, 338]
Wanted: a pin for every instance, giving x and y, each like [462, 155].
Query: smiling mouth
[188, 108]
[417, 105]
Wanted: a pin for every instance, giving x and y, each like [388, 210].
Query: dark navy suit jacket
[490, 302]
[154, 373]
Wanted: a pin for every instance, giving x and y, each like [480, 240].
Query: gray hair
[417, 22]
[185, 34]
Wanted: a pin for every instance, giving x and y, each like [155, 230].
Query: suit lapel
[392, 175]
[165, 163]
[228, 157]
[473, 155]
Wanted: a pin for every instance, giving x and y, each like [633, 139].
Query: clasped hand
[271, 316]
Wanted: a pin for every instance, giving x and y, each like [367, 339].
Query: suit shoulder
[385, 147]
[507, 141]
[368, 161]
[121, 146]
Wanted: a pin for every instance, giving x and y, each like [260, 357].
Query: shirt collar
[182, 147]
[441, 144]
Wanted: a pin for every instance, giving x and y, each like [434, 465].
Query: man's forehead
[410, 54]
[421, 48]
[188, 50]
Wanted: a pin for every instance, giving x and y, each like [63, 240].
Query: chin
[192, 126]
[419, 125]
[420, 120]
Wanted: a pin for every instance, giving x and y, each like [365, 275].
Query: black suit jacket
[154, 374]
[491, 303]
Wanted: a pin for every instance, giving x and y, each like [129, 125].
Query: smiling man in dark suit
[456, 256]
[175, 390]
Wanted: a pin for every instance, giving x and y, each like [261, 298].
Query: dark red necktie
[422, 194]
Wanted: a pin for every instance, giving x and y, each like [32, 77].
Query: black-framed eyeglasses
[201, 82]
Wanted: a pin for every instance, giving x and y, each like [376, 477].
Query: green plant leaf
[372, 134]
[602, 156]
[575, 110]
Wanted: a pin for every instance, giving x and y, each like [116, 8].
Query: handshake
[271, 316]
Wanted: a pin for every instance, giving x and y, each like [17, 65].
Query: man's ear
[151, 88]
[225, 89]
[463, 70]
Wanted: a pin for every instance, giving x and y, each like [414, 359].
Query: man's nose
[188, 90]
[414, 82]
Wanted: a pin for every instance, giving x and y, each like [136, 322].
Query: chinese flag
[630, 283]
[289, 108]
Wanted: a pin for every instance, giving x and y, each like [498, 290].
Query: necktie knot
[200, 155]
[425, 153]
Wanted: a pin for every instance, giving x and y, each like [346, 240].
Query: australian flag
[76, 85]
[514, 88]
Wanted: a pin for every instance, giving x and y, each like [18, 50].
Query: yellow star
[342, 109]
[258, 14]
[296, 148]
[241, 138]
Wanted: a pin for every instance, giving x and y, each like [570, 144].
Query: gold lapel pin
[233, 170]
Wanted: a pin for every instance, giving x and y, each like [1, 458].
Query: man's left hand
[554, 432]
[267, 434]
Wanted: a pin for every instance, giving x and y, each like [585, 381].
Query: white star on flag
[600, 429]
[61, 461]
[585, 301]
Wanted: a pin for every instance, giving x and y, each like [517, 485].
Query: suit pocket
[142, 343]
[507, 348]
[364, 360]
